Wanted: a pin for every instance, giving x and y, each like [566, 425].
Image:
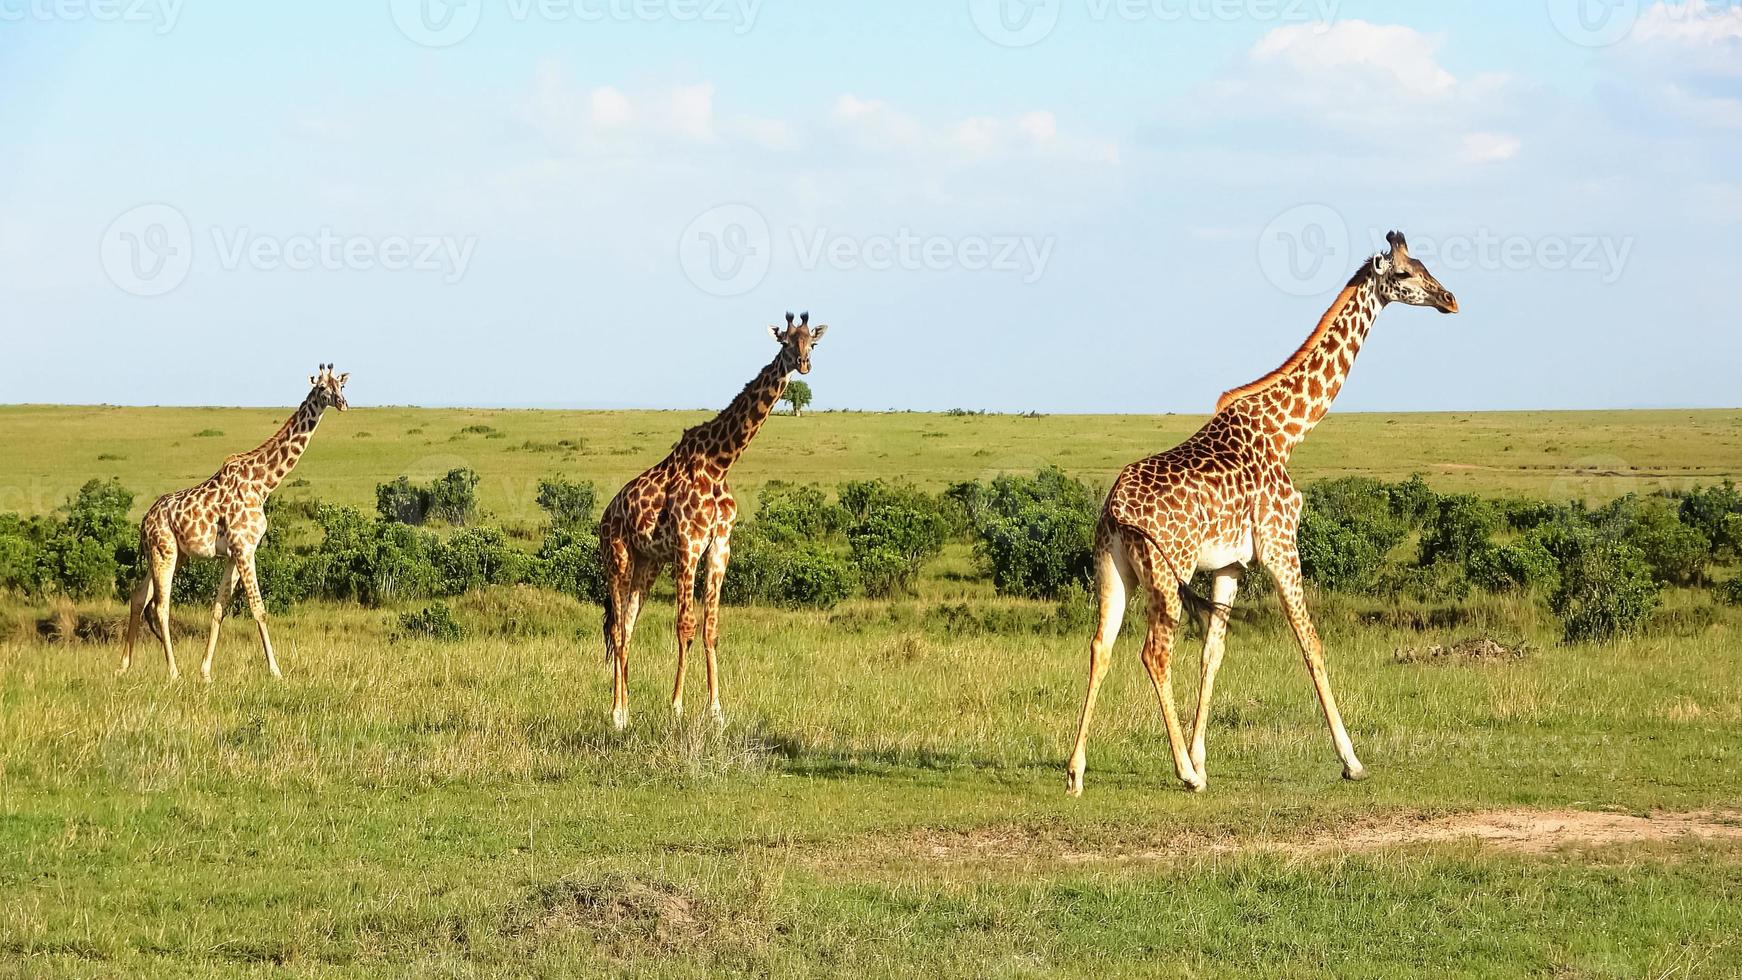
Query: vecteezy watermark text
[1309, 249]
[441, 23]
[445, 254]
[150, 250]
[728, 251]
[1020, 23]
[162, 15]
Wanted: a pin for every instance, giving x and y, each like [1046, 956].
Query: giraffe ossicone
[1222, 500]
[680, 513]
[223, 517]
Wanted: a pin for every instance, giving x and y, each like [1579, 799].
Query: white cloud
[608, 118]
[874, 124]
[1700, 36]
[1490, 147]
[1685, 58]
[1358, 91]
[1398, 60]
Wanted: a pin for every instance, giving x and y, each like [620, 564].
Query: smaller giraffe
[223, 517]
[680, 510]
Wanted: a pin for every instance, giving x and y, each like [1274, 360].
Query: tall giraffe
[223, 517]
[1222, 498]
[682, 508]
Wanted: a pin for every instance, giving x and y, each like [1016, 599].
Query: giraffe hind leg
[1166, 610]
[138, 609]
[1113, 584]
[163, 581]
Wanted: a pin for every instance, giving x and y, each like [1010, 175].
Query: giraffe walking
[680, 510]
[223, 517]
[1223, 498]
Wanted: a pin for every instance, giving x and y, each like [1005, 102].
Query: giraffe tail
[610, 629]
[1197, 605]
[144, 598]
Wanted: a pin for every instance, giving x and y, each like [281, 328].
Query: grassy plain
[886, 797]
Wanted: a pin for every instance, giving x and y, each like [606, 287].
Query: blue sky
[1063, 205]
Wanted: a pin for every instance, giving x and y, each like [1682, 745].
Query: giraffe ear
[817, 334]
[775, 332]
[344, 378]
[1381, 264]
[312, 380]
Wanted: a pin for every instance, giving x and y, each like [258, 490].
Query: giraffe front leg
[226, 586]
[718, 557]
[257, 607]
[1284, 563]
[1215, 642]
[684, 578]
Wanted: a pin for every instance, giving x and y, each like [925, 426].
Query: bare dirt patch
[1483, 649]
[1518, 831]
[615, 910]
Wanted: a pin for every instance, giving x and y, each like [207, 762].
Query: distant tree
[798, 395]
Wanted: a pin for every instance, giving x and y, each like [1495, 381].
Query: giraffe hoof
[619, 719]
[718, 715]
[1073, 784]
[1354, 774]
[205, 678]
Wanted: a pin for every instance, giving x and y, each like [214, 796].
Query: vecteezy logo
[1305, 250]
[1593, 23]
[726, 251]
[1014, 23]
[148, 251]
[436, 23]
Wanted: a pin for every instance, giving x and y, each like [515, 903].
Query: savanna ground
[887, 795]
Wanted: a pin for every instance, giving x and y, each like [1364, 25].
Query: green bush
[433, 622]
[1524, 565]
[90, 552]
[475, 557]
[1605, 589]
[1456, 528]
[1339, 556]
[807, 575]
[1350, 525]
[1036, 534]
[789, 513]
[892, 531]
[1716, 512]
[401, 502]
[568, 562]
[1729, 593]
[21, 544]
[452, 499]
[569, 504]
[371, 562]
[1676, 553]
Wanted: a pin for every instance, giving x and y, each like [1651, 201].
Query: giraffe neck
[279, 454]
[723, 439]
[1287, 403]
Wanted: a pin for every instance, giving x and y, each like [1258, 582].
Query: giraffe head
[1403, 279]
[797, 340]
[329, 388]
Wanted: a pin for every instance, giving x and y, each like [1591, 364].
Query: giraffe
[1223, 498]
[223, 517]
[682, 508]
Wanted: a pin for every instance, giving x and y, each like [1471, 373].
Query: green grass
[887, 796]
[50, 450]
